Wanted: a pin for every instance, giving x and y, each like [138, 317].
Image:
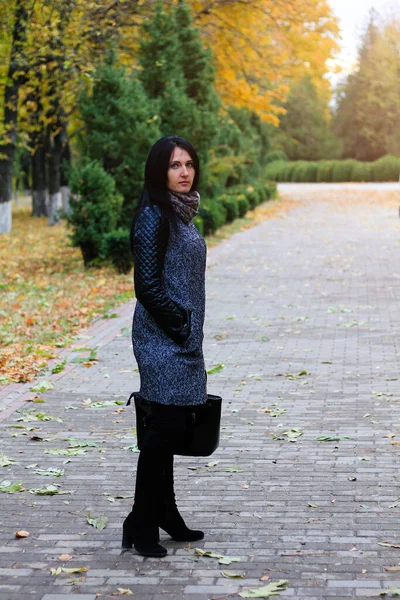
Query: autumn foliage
[45, 297]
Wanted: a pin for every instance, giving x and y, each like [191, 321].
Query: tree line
[364, 122]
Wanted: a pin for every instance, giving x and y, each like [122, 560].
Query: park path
[303, 313]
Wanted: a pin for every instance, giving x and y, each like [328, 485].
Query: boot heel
[145, 541]
[127, 541]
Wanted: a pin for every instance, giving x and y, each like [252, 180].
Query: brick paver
[304, 314]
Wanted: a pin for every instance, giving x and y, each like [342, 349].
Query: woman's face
[181, 171]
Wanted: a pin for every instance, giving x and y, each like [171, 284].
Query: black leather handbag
[202, 425]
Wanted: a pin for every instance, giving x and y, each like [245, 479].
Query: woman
[170, 259]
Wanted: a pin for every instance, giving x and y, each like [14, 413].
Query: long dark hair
[157, 165]
[155, 189]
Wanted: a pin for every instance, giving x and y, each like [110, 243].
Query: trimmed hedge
[234, 203]
[362, 172]
[386, 168]
[342, 170]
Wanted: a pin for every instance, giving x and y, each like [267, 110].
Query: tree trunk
[54, 207]
[39, 206]
[14, 81]
[54, 175]
[65, 191]
[57, 128]
[37, 143]
[65, 195]
[5, 217]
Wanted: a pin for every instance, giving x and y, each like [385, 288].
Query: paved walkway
[303, 312]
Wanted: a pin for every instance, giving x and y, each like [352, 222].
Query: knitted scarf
[186, 206]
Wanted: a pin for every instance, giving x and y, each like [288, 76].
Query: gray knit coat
[174, 373]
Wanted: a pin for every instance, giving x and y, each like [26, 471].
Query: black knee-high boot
[140, 527]
[169, 517]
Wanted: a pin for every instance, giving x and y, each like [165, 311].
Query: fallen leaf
[42, 386]
[73, 443]
[231, 575]
[227, 560]
[22, 534]
[49, 490]
[388, 545]
[51, 472]
[223, 560]
[291, 435]
[207, 553]
[99, 522]
[272, 589]
[105, 403]
[133, 448]
[10, 488]
[65, 557]
[5, 461]
[65, 451]
[331, 438]
[69, 571]
[216, 369]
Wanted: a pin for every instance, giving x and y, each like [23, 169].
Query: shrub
[342, 170]
[95, 208]
[198, 221]
[386, 168]
[120, 127]
[287, 171]
[243, 204]
[213, 214]
[261, 192]
[231, 206]
[324, 171]
[274, 170]
[270, 191]
[362, 171]
[310, 172]
[116, 247]
[252, 197]
[275, 155]
[304, 171]
[297, 171]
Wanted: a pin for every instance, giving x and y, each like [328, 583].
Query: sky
[353, 16]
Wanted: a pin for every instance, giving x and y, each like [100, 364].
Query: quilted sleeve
[150, 242]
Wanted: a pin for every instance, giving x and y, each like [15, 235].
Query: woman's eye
[174, 165]
[190, 165]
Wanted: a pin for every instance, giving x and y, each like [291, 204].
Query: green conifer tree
[177, 71]
[199, 78]
[121, 124]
